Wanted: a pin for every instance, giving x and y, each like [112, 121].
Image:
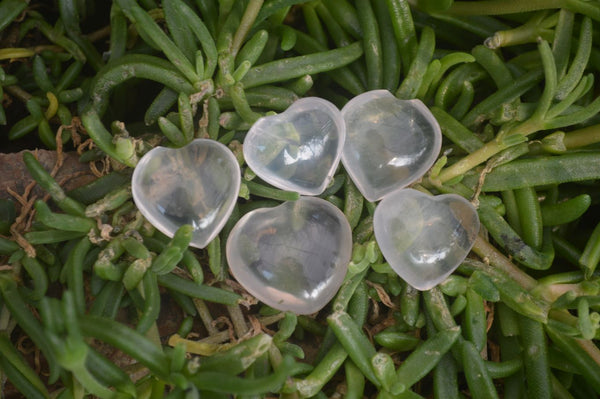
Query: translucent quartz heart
[293, 256]
[425, 238]
[197, 184]
[390, 143]
[299, 149]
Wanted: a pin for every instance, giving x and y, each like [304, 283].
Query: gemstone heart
[299, 149]
[293, 256]
[390, 143]
[424, 238]
[197, 184]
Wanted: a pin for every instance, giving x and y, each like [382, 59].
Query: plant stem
[488, 252]
[582, 137]
[470, 161]
[491, 148]
[590, 348]
[500, 7]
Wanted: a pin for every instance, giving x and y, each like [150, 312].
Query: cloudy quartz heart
[299, 149]
[292, 257]
[425, 238]
[197, 184]
[390, 143]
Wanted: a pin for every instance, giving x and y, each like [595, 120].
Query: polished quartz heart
[197, 184]
[424, 238]
[390, 143]
[299, 149]
[293, 256]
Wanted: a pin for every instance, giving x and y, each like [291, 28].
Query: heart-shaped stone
[424, 238]
[390, 143]
[299, 149]
[197, 184]
[293, 256]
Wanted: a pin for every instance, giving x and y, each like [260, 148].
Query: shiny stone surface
[293, 257]
[197, 184]
[425, 238]
[299, 149]
[390, 143]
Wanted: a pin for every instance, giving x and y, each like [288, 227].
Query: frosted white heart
[299, 149]
[197, 184]
[425, 238]
[293, 257]
[390, 143]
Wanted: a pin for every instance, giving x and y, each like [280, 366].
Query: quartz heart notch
[197, 184]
